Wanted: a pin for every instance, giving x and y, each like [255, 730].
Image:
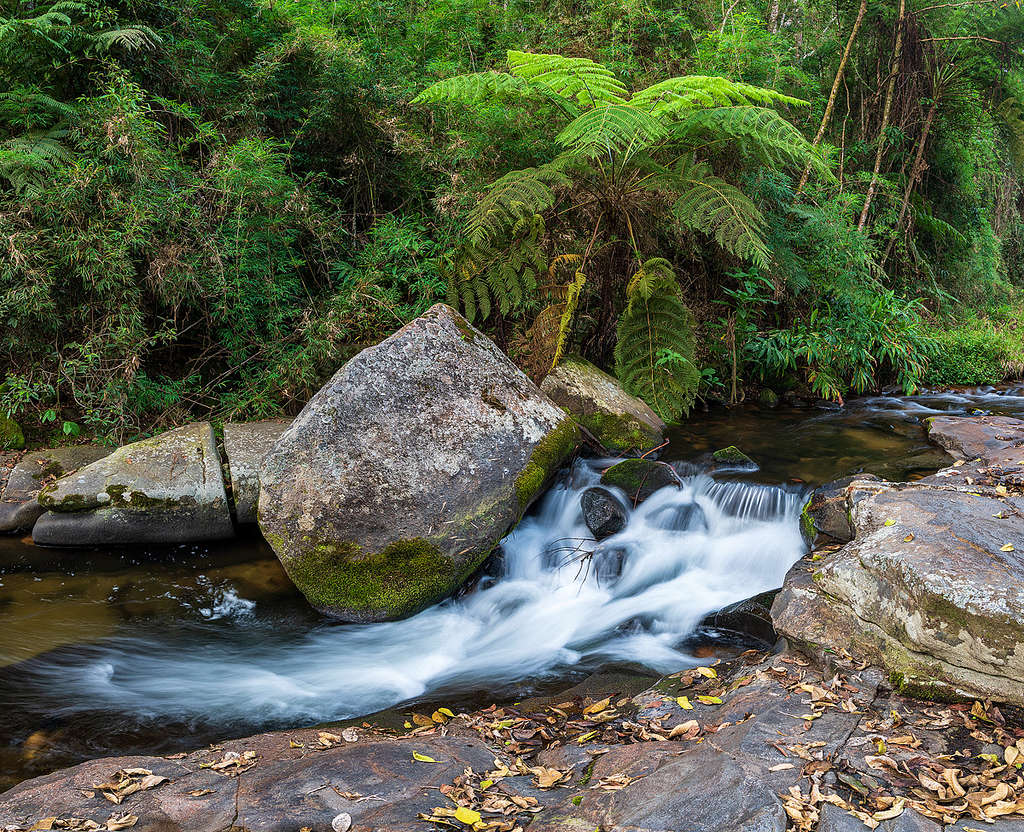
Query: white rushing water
[683, 553]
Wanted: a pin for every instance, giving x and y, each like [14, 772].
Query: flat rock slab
[19, 508]
[246, 445]
[619, 421]
[287, 789]
[400, 476]
[167, 489]
[932, 586]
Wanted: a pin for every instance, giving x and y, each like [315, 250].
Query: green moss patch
[403, 578]
[11, 436]
[549, 454]
[618, 433]
[732, 456]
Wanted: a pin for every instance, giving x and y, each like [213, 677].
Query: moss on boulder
[640, 478]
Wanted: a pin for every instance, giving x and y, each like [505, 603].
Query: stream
[160, 650]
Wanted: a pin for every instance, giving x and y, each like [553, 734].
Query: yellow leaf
[485, 785]
[408, 724]
[467, 816]
[709, 672]
[423, 721]
[684, 703]
[423, 758]
[908, 538]
[438, 717]
[597, 707]
[1007, 548]
[446, 712]
[890, 522]
[293, 744]
[1001, 490]
[710, 700]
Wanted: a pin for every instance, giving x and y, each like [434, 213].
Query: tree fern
[675, 95]
[572, 298]
[579, 79]
[655, 346]
[611, 128]
[757, 131]
[515, 196]
[708, 204]
[26, 162]
[130, 38]
[474, 88]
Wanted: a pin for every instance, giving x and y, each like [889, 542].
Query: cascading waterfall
[559, 601]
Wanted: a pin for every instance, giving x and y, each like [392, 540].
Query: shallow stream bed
[146, 650]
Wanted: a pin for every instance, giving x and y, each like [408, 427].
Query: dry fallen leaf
[422, 758]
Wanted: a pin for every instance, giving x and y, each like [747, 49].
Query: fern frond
[18, 101]
[611, 128]
[130, 38]
[689, 92]
[645, 281]
[518, 195]
[708, 204]
[757, 131]
[655, 348]
[473, 88]
[579, 79]
[572, 299]
[26, 162]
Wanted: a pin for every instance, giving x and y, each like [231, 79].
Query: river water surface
[105, 652]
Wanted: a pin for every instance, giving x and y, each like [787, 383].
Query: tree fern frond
[515, 196]
[572, 298]
[15, 102]
[708, 204]
[579, 79]
[689, 92]
[655, 347]
[130, 38]
[26, 162]
[473, 88]
[611, 128]
[646, 280]
[758, 131]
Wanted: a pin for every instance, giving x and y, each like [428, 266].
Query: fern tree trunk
[915, 173]
[831, 105]
[886, 112]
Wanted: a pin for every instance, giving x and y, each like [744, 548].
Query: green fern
[474, 89]
[756, 131]
[572, 298]
[581, 79]
[516, 196]
[130, 38]
[611, 128]
[676, 95]
[655, 348]
[27, 162]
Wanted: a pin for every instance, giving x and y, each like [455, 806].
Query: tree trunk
[827, 117]
[773, 16]
[886, 112]
[915, 172]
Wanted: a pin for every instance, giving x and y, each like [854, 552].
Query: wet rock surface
[932, 586]
[19, 508]
[603, 513]
[640, 478]
[618, 420]
[762, 742]
[400, 476]
[166, 489]
[246, 445]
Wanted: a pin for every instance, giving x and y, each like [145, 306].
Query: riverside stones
[619, 421]
[401, 475]
[603, 514]
[167, 489]
[19, 508]
[246, 444]
[640, 478]
[932, 586]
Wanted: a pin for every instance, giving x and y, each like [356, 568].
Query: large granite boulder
[246, 444]
[167, 489]
[932, 585]
[19, 508]
[618, 420]
[402, 474]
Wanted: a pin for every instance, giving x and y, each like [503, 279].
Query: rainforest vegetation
[206, 206]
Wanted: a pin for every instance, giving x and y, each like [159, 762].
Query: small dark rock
[603, 513]
[640, 478]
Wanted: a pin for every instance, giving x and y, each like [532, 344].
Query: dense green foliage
[207, 205]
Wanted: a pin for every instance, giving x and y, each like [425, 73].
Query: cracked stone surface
[932, 586]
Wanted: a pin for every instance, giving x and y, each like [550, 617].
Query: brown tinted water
[62, 611]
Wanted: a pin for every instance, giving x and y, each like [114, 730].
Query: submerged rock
[602, 512]
[620, 421]
[19, 508]
[246, 445]
[733, 458]
[640, 478]
[932, 586]
[402, 474]
[167, 489]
